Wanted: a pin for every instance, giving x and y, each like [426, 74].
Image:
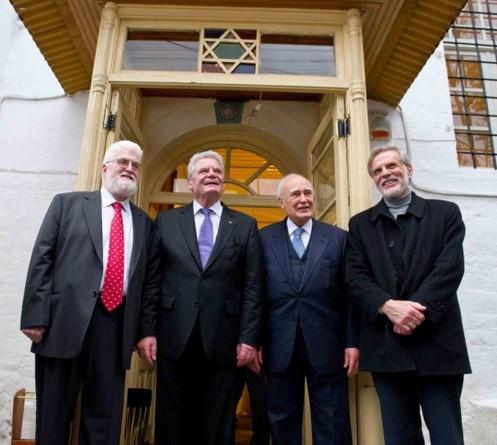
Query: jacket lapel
[226, 227]
[279, 246]
[92, 209]
[186, 222]
[138, 230]
[317, 243]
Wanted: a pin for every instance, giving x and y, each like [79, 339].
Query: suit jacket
[65, 272]
[320, 302]
[225, 297]
[437, 346]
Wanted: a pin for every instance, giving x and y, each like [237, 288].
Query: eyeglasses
[123, 163]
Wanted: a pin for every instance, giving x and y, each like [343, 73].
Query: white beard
[121, 187]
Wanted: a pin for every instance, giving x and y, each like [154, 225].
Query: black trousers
[401, 397]
[195, 397]
[328, 397]
[98, 371]
[256, 385]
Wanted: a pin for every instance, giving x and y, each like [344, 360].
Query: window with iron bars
[471, 58]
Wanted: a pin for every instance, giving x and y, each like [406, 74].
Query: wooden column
[94, 136]
[358, 147]
[368, 417]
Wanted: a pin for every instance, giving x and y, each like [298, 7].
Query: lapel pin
[230, 222]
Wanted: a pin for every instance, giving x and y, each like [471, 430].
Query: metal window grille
[471, 58]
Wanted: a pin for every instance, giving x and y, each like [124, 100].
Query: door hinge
[343, 126]
[110, 122]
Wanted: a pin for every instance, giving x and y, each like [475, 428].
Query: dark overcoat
[437, 346]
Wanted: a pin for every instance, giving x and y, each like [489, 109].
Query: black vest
[297, 264]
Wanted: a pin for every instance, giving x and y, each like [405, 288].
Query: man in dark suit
[309, 332]
[404, 265]
[205, 314]
[82, 302]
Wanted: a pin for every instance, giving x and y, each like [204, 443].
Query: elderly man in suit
[204, 317]
[82, 302]
[309, 330]
[404, 265]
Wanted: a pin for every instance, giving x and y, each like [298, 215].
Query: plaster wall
[40, 138]
[423, 126]
[7, 29]
[23, 70]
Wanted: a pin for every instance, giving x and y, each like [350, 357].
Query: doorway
[282, 136]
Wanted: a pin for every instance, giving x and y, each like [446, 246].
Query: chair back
[137, 415]
[18, 415]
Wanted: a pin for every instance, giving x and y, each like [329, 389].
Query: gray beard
[122, 187]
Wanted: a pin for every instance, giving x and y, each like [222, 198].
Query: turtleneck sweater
[398, 206]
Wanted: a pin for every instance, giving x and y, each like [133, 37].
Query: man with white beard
[82, 302]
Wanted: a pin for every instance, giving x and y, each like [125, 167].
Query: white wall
[39, 144]
[40, 141]
[424, 126]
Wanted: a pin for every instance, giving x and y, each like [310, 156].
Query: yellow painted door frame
[348, 88]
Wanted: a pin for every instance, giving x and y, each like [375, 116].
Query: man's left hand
[352, 356]
[244, 354]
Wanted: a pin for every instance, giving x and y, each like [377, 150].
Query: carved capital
[354, 22]
[109, 16]
[99, 83]
[357, 90]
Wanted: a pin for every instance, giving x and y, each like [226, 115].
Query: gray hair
[114, 150]
[209, 154]
[404, 158]
[285, 179]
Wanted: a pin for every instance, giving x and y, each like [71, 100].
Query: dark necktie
[205, 237]
[297, 242]
[112, 290]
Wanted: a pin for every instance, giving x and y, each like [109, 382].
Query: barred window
[471, 58]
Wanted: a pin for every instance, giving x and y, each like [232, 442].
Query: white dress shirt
[306, 234]
[107, 215]
[216, 210]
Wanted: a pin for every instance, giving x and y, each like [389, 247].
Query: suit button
[196, 304]
[391, 244]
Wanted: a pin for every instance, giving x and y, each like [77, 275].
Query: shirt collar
[108, 200]
[291, 226]
[416, 208]
[216, 208]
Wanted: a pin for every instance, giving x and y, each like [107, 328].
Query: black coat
[434, 272]
[320, 302]
[65, 272]
[226, 296]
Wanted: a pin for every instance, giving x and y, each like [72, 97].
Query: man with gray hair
[404, 265]
[310, 333]
[204, 316]
[82, 302]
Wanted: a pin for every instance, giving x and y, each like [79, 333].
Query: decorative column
[358, 147]
[94, 136]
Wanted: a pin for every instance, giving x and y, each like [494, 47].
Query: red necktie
[112, 290]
